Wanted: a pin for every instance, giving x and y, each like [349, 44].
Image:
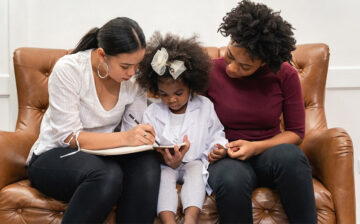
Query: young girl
[176, 70]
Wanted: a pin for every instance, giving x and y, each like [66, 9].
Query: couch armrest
[330, 153]
[14, 149]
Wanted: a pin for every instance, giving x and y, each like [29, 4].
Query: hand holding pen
[146, 132]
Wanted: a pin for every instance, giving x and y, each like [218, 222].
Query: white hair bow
[160, 61]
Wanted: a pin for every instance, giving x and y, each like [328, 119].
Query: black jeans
[283, 167]
[92, 184]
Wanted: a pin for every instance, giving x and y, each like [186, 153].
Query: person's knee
[234, 176]
[193, 169]
[151, 180]
[151, 172]
[233, 181]
[114, 174]
[288, 156]
[109, 179]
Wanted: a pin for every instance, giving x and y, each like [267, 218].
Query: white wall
[60, 24]
[4, 67]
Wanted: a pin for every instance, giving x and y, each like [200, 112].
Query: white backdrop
[60, 24]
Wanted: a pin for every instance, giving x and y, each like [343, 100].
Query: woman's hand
[142, 134]
[241, 149]
[175, 160]
[218, 152]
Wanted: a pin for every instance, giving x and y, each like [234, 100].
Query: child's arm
[216, 138]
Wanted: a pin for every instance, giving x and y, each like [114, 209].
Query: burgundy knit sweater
[250, 107]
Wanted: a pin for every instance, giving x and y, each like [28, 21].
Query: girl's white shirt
[201, 125]
[176, 121]
[74, 105]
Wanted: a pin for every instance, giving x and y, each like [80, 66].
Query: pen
[137, 122]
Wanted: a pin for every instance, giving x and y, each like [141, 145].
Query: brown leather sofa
[330, 151]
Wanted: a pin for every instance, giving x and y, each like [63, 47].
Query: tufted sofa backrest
[34, 65]
[311, 62]
[32, 68]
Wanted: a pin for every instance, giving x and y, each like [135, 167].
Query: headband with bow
[160, 61]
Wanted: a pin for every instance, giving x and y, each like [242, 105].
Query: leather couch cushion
[20, 203]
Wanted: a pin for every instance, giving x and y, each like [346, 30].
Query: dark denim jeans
[92, 184]
[283, 167]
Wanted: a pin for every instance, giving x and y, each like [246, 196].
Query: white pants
[192, 191]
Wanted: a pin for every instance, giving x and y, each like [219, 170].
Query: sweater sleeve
[293, 107]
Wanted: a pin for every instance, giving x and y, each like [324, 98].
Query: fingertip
[161, 152]
[168, 153]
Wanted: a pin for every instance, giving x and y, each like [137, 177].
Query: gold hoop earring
[107, 70]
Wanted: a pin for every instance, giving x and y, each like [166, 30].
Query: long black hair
[119, 35]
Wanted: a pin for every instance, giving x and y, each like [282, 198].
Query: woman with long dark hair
[91, 93]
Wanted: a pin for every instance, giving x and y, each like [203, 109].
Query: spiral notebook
[129, 149]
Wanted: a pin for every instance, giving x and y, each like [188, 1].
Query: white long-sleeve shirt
[200, 124]
[74, 105]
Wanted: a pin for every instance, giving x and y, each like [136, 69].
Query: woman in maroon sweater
[251, 87]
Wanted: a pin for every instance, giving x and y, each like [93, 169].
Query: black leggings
[283, 167]
[92, 185]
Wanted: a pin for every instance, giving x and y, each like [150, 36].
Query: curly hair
[188, 50]
[261, 31]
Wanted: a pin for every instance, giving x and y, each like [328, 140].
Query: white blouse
[74, 105]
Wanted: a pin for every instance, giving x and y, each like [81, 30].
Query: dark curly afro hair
[188, 50]
[261, 31]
